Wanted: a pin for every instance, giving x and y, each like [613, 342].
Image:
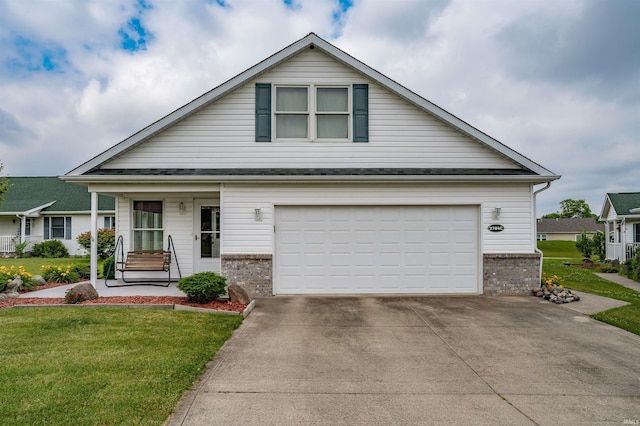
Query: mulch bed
[216, 305]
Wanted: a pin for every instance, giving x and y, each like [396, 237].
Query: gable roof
[568, 225]
[312, 40]
[31, 195]
[623, 203]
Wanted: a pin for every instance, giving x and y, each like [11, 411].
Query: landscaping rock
[84, 291]
[238, 294]
[556, 294]
[39, 280]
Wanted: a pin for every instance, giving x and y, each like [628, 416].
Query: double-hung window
[57, 228]
[148, 231]
[312, 112]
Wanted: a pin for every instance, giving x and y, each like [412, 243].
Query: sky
[558, 81]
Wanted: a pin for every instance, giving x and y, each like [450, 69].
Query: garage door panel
[376, 249]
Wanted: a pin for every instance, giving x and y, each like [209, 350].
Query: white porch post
[23, 228]
[94, 239]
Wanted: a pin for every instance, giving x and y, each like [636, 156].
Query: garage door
[376, 249]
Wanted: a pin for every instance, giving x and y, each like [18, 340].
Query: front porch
[104, 291]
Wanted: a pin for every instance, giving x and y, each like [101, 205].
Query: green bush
[83, 271]
[109, 267]
[631, 268]
[50, 249]
[203, 287]
[584, 245]
[106, 241]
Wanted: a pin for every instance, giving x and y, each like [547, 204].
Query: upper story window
[312, 112]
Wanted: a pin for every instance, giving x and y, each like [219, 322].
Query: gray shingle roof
[568, 225]
[26, 193]
[311, 172]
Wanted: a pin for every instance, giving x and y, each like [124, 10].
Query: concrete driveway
[418, 360]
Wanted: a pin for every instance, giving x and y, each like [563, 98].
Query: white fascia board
[284, 54]
[606, 205]
[34, 212]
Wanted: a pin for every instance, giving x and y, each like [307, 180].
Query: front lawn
[33, 264]
[564, 249]
[625, 317]
[89, 366]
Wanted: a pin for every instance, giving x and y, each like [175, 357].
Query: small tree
[106, 241]
[584, 245]
[598, 245]
[4, 184]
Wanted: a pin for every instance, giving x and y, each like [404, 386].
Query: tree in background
[4, 184]
[572, 208]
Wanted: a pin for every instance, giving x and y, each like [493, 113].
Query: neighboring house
[36, 209]
[621, 213]
[567, 229]
[312, 173]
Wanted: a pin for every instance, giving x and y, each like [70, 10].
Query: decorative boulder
[238, 294]
[82, 292]
[39, 280]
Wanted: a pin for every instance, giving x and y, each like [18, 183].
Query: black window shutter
[361, 113]
[46, 227]
[67, 228]
[263, 112]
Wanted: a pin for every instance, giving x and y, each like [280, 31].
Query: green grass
[625, 317]
[102, 366]
[565, 249]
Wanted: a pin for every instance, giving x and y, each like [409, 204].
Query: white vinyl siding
[243, 234]
[222, 135]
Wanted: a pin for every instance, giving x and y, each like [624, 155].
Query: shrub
[109, 267]
[106, 241]
[203, 287]
[50, 249]
[59, 274]
[598, 244]
[20, 248]
[83, 271]
[584, 245]
[631, 268]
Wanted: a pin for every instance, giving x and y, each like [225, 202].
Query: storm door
[207, 236]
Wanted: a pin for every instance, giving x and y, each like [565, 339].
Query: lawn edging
[175, 307]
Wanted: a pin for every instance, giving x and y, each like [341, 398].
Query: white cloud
[473, 58]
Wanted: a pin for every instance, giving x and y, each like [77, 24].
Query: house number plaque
[496, 228]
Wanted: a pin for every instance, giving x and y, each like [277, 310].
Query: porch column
[94, 239]
[23, 228]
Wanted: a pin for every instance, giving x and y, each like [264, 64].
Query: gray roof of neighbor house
[27, 193]
[92, 169]
[568, 225]
[624, 202]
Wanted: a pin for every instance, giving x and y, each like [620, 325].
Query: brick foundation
[510, 274]
[253, 272]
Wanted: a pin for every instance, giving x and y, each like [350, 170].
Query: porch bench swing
[143, 261]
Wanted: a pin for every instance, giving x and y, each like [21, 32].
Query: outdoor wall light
[182, 208]
[496, 212]
[257, 214]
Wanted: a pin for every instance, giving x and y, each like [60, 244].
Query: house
[36, 209]
[567, 229]
[312, 173]
[621, 213]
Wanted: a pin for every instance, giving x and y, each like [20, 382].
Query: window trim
[312, 113]
[48, 228]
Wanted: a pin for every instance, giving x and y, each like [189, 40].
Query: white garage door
[376, 249]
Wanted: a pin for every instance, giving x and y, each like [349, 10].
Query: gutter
[536, 249]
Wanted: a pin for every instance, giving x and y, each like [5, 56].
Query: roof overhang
[311, 40]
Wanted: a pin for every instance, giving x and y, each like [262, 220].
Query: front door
[206, 236]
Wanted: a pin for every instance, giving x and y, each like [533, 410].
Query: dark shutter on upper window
[263, 112]
[361, 113]
[46, 228]
[67, 228]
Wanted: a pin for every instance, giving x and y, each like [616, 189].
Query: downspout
[537, 250]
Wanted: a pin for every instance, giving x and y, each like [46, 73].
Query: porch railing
[8, 242]
[631, 249]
